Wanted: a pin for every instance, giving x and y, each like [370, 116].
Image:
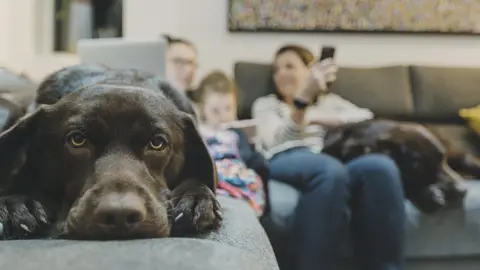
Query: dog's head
[107, 156]
[422, 159]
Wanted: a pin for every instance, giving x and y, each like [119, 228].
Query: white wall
[4, 23]
[24, 35]
[204, 22]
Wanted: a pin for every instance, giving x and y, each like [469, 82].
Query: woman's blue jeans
[369, 186]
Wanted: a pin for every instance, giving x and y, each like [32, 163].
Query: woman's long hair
[305, 55]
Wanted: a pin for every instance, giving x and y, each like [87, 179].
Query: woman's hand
[321, 74]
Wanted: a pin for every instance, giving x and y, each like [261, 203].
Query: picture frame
[452, 17]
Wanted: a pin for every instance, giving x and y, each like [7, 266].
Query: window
[77, 19]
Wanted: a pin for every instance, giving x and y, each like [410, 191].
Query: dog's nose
[120, 210]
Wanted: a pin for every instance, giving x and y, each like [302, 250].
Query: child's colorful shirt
[235, 179]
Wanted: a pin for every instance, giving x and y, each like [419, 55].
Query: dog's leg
[22, 217]
[195, 208]
[428, 200]
[465, 164]
[451, 184]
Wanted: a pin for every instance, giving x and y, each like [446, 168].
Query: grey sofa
[241, 243]
[447, 240]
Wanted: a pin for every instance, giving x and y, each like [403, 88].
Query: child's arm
[255, 161]
[249, 155]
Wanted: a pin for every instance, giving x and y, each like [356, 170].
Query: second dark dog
[429, 181]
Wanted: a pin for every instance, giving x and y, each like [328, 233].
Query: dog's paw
[195, 209]
[429, 200]
[21, 217]
[454, 193]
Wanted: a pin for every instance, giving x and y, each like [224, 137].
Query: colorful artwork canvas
[412, 16]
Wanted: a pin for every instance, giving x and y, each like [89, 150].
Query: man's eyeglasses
[181, 62]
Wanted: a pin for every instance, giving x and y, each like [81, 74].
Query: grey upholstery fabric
[440, 92]
[254, 81]
[241, 243]
[385, 90]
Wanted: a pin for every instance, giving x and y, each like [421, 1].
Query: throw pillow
[472, 116]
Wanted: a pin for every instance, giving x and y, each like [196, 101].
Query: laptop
[145, 55]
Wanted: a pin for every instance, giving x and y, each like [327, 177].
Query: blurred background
[76, 19]
[38, 36]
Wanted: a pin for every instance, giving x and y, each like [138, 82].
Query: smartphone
[327, 52]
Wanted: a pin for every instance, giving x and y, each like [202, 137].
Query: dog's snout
[120, 211]
[119, 208]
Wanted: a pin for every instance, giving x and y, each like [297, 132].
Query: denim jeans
[369, 186]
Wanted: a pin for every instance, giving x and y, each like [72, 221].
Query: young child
[242, 171]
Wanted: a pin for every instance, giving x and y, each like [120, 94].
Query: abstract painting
[403, 16]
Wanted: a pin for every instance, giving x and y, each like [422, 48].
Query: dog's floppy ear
[198, 163]
[13, 144]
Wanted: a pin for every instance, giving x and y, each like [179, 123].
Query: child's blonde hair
[215, 82]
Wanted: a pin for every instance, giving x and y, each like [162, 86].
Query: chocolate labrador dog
[424, 161]
[107, 154]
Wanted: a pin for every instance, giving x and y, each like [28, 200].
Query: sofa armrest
[241, 229]
[240, 244]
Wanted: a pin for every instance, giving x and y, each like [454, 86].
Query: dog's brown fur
[50, 187]
[423, 158]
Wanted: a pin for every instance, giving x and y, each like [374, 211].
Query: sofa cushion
[440, 92]
[254, 80]
[141, 254]
[384, 90]
[241, 243]
[450, 233]
[283, 199]
[472, 116]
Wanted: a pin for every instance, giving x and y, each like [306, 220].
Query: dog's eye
[157, 143]
[77, 139]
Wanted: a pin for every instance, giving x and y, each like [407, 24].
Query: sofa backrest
[440, 92]
[386, 91]
[400, 92]
[253, 81]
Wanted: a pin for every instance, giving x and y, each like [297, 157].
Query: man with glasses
[181, 66]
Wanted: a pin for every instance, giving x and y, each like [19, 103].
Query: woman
[291, 125]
